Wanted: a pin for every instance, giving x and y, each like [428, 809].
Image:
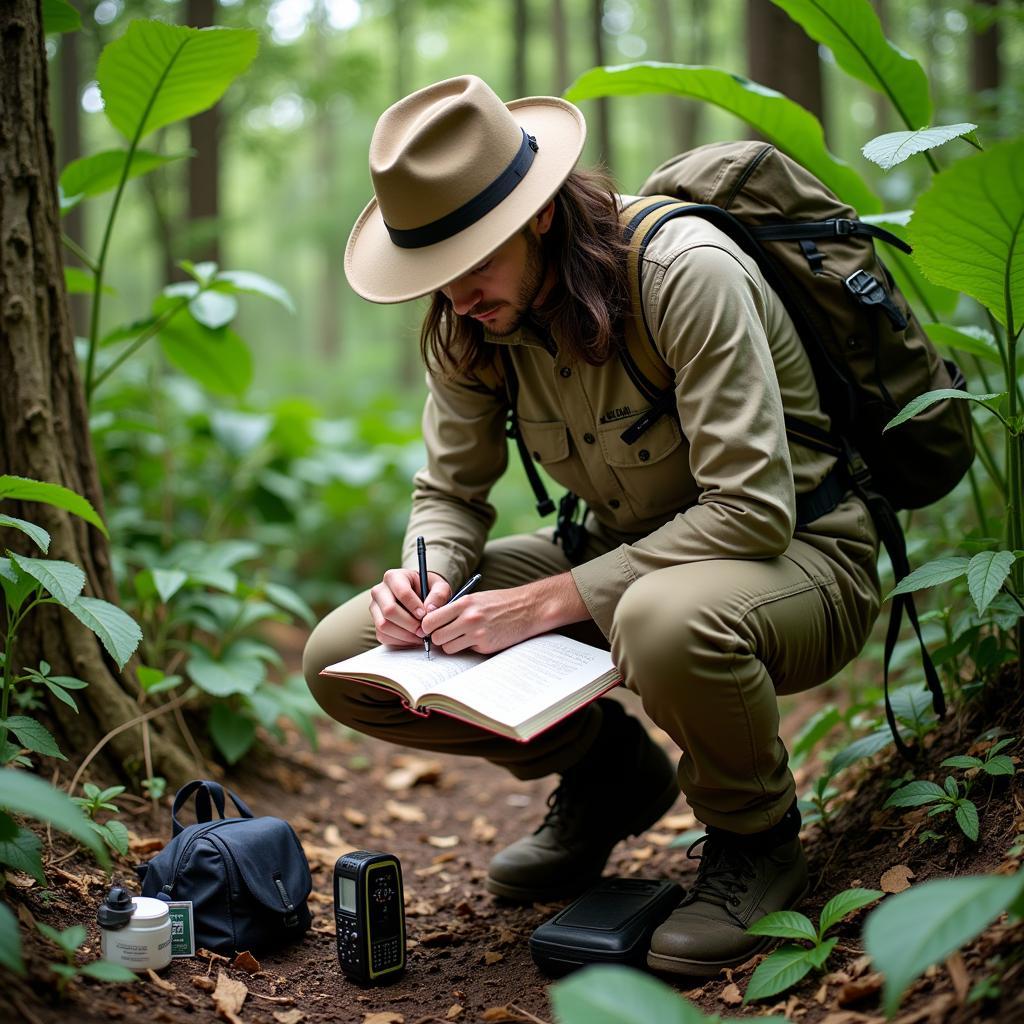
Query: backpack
[869, 354]
[247, 878]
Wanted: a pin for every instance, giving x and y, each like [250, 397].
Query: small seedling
[789, 963]
[994, 763]
[113, 833]
[815, 805]
[946, 797]
[68, 942]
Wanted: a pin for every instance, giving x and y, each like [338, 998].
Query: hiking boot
[739, 881]
[624, 784]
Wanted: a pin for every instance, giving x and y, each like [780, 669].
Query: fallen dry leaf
[490, 957]
[679, 822]
[245, 961]
[164, 986]
[896, 879]
[857, 991]
[959, 976]
[731, 995]
[387, 1017]
[404, 812]
[441, 938]
[443, 842]
[412, 771]
[644, 853]
[228, 997]
[289, 1016]
[25, 917]
[148, 844]
[483, 831]
[201, 981]
[355, 817]
[659, 838]
[455, 1011]
[850, 1017]
[421, 908]
[499, 1013]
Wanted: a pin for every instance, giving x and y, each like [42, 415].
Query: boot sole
[524, 894]
[709, 968]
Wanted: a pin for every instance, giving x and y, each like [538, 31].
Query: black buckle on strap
[868, 291]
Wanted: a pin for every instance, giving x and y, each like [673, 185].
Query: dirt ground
[468, 955]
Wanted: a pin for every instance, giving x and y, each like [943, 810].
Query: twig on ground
[526, 1013]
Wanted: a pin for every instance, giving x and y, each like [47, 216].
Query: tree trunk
[782, 56]
[682, 115]
[520, 42]
[560, 47]
[881, 103]
[986, 70]
[604, 125]
[44, 431]
[204, 132]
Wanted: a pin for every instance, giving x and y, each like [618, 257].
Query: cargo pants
[707, 645]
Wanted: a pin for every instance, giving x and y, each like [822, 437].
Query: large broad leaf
[233, 733]
[37, 533]
[118, 631]
[852, 31]
[256, 284]
[60, 16]
[22, 793]
[33, 735]
[784, 924]
[986, 575]
[19, 488]
[236, 674]
[96, 174]
[927, 400]
[64, 580]
[619, 995]
[218, 359]
[922, 926]
[931, 574]
[157, 73]
[894, 147]
[792, 128]
[916, 794]
[24, 853]
[866, 746]
[10, 941]
[783, 968]
[967, 819]
[974, 340]
[845, 903]
[968, 229]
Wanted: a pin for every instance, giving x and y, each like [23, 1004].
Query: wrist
[558, 602]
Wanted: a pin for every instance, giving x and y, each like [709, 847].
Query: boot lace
[724, 873]
[565, 805]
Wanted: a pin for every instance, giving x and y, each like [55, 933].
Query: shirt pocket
[549, 445]
[653, 471]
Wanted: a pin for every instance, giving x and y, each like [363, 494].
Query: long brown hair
[591, 291]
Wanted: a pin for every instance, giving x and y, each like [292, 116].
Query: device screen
[383, 886]
[347, 894]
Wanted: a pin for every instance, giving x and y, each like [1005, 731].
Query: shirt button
[614, 503]
[589, 438]
[644, 454]
[565, 371]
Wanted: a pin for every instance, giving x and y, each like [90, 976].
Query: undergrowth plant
[69, 941]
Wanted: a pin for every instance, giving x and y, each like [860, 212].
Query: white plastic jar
[145, 941]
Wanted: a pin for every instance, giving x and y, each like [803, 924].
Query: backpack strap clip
[868, 291]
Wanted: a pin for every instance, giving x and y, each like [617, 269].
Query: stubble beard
[529, 288]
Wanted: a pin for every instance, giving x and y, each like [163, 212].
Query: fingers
[393, 603]
[455, 627]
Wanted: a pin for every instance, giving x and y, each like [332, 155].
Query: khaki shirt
[721, 487]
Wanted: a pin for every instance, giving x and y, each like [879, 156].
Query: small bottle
[136, 930]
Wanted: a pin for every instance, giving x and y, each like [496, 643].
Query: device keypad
[348, 941]
[384, 954]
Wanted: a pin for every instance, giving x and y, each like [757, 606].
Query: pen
[421, 554]
[465, 588]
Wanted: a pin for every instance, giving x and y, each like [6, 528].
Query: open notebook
[518, 692]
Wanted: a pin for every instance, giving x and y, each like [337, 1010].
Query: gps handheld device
[611, 923]
[369, 916]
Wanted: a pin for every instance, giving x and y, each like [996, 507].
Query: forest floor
[468, 954]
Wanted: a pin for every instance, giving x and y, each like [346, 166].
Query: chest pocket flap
[655, 444]
[547, 442]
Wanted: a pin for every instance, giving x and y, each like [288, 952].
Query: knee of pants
[667, 640]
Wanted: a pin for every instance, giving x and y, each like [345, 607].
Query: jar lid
[149, 909]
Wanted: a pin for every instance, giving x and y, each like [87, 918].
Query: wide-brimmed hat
[456, 173]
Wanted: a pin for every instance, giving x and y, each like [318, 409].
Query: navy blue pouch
[248, 878]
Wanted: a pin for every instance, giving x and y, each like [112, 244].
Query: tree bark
[782, 56]
[604, 124]
[683, 116]
[560, 47]
[44, 431]
[986, 69]
[204, 132]
[520, 42]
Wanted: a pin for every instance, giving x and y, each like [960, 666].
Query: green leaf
[950, 786]
[925, 401]
[18, 488]
[962, 761]
[915, 794]
[17, 586]
[256, 284]
[785, 924]
[10, 942]
[894, 147]
[844, 903]
[33, 735]
[867, 745]
[24, 853]
[63, 580]
[167, 582]
[60, 16]
[218, 359]
[788, 125]
[99, 173]
[287, 599]
[214, 309]
[852, 31]
[37, 533]
[225, 677]
[931, 574]
[967, 819]
[986, 575]
[781, 970]
[115, 835]
[104, 970]
[233, 733]
[967, 229]
[610, 994]
[919, 290]
[922, 926]
[69, 939]
[118, 632]
[821, 952]
[157, 73]
[974, 340]
[1001, 764]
